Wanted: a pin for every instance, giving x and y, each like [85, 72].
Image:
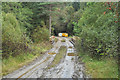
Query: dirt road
[68, 67]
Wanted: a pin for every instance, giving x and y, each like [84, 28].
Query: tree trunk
[50, 22]
[50, 25]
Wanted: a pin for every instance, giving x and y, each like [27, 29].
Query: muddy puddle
[52, 53]
[71, 54]
[70, 47]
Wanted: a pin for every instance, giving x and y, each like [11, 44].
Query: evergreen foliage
[95, 23]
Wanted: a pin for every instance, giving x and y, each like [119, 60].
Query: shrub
[40, 34]
[13, 40]
[98, 31]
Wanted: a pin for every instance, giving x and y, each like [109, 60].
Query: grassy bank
[58, 57]
[14, 63]
[105, 68]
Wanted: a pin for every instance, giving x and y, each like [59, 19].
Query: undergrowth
[104, 68]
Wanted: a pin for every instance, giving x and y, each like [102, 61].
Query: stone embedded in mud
[52, 53]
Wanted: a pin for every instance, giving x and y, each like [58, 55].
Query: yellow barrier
[64, 34]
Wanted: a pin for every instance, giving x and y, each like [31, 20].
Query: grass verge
[13, 63]
[58, 57]
[105, 68]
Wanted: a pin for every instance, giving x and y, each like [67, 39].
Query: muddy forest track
[65, 69]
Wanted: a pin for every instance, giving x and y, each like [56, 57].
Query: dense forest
[27, 24]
